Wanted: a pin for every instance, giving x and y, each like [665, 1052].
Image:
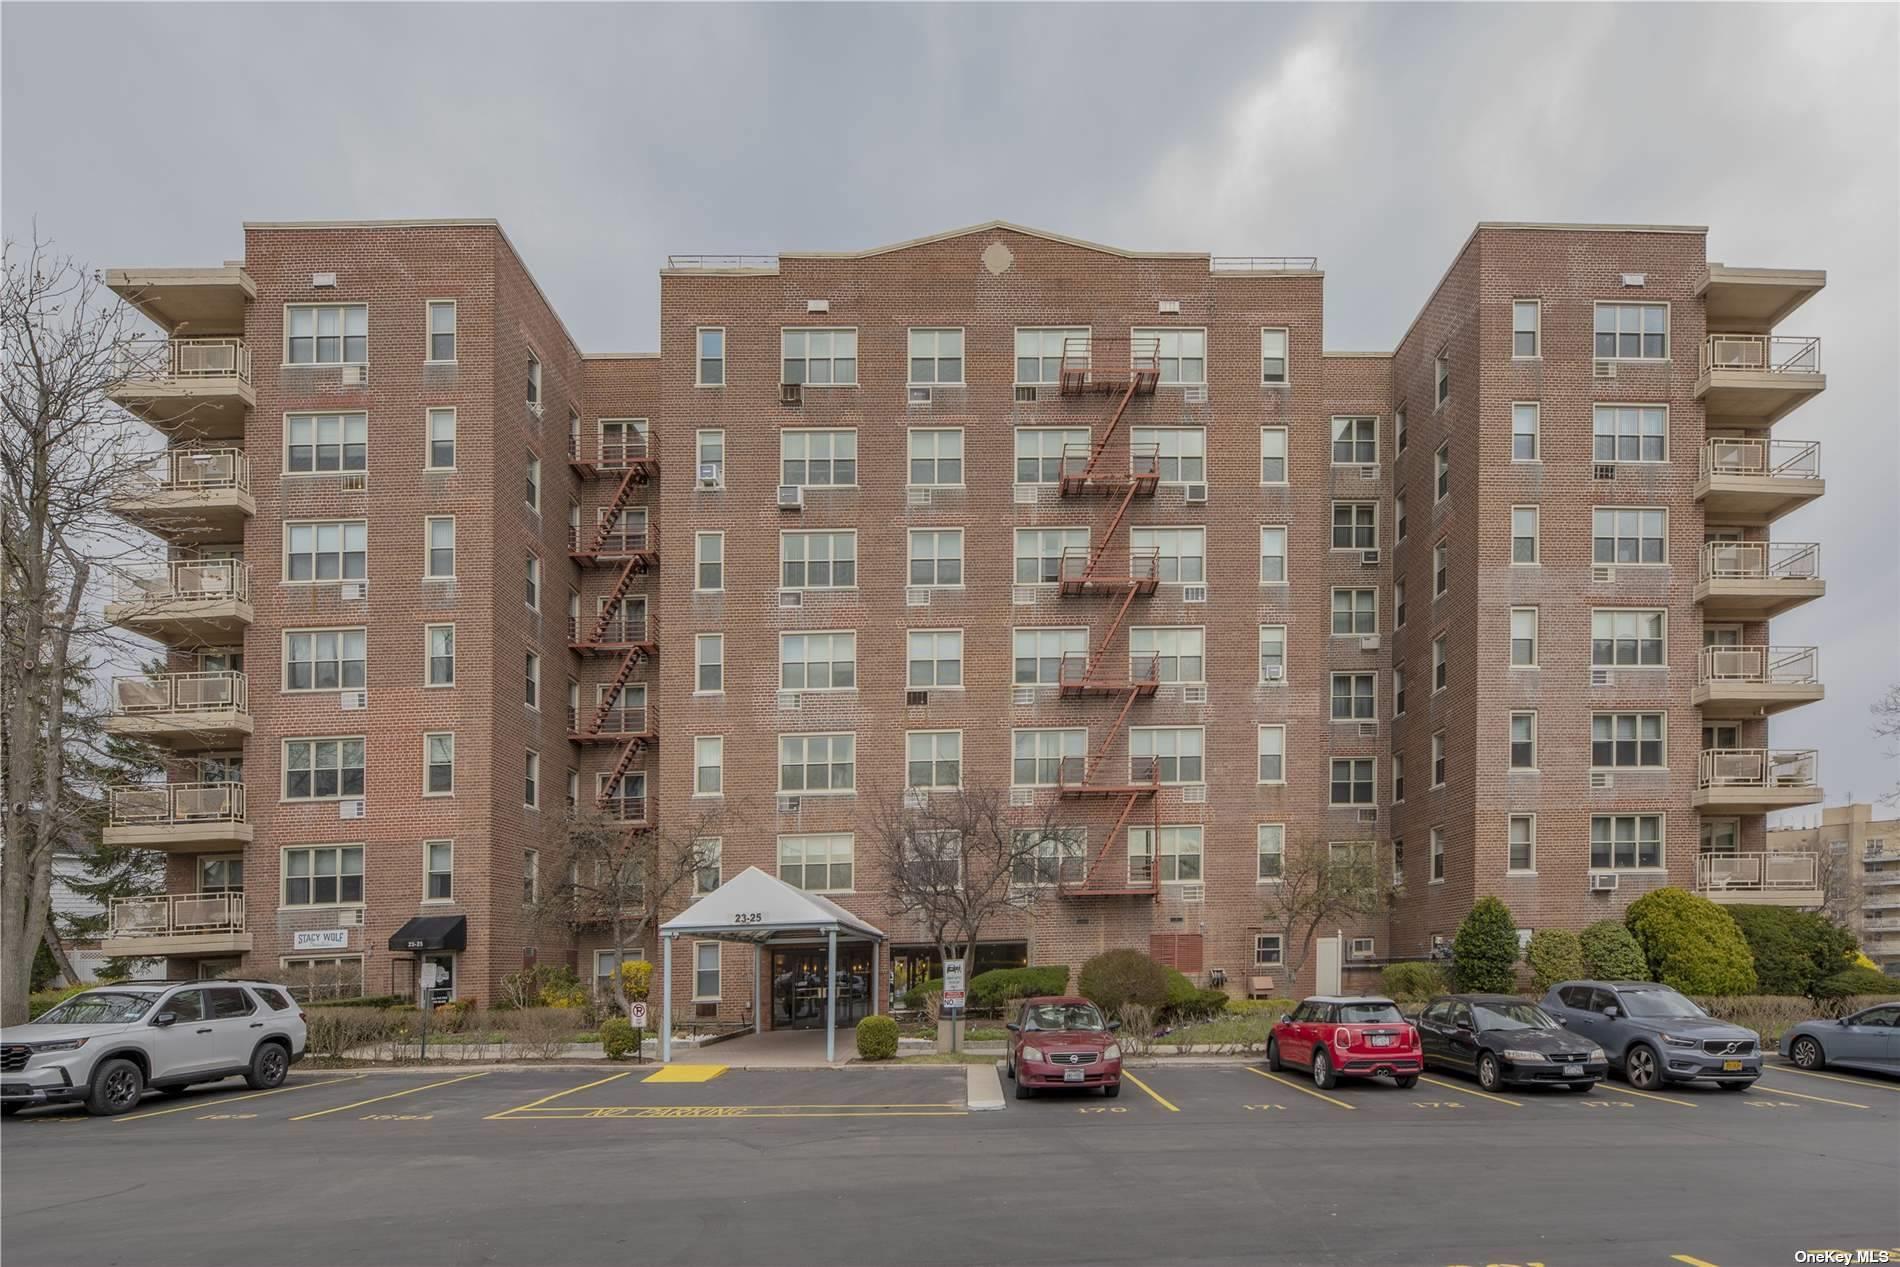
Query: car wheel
[1273, 1056]
[269, 1067]
[1023, 1090]
[1406, 1082]
[1490, 1073]
[1112, 1090]
[1807, 1053]
[1640, 1067]
[1323, 1076]
[116, 1087]
[1581, 1088]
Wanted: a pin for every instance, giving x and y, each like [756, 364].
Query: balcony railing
[185, 359]
[713, 262]
[1144, 460]
[1143, 670]
[623, 627]
[1761, 353]
[1881, 925]
[1757, 768]
[1756, 872]
[168, 913]
[175, 804]
[1760, 561]
[1142, 565]
[187, 581]
[1761, 666]
[1263, 264]
[179, 693]
[625, 809]
[193, 470]
[629, 536]
[1772, 459]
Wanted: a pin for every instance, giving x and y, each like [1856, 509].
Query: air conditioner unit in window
[1026, 494]
[1194, 794]
[791, 598]
[352, 808]
[916, 699]
[791, 497]
[1193, 894]
[1368, 472]
[1603, 369]
[355, 375]
[917, 596]
[1194, 694]
[1368, 730]
[1194, 593]
[355, 482]
[1603, 471]
[1602, 677]
[709, 475]
[1603, 572]
[791, 393]
[787, 804]
[918, 396]
[1273, 673]
[349, 701]
[1368, 642]
[916, 798]
[918, 497]
[1025, 395]
[1599, 780]
[1194, 494]
[1022, 696]
[350, 917]
[1368, 816]
[1369, 558]
[817, 305]
[1603, 882]
[1168, 307]
[1194, 395]
[790, 702]
[1023, 595]
[1021, 796]
[353, 591]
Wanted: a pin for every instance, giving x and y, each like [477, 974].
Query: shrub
[371, 1000]
[1484, 953]
[1555, 954]
[1793, 950]
[46, 1000]
[636, 978]
[544, 985]
[544, 1031]
[1412, 981]
[1611, 954]
[918, 997]
[617, 1038]
[1117, 977]
[1690, 943]
[998, 986]
[1136, 1037]
[877, 1038]
[334, 1032]
[1270, 1008]
[452, 1018]
[1851, 981]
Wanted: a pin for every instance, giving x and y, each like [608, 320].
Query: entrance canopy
[432, 932]
[756, 907]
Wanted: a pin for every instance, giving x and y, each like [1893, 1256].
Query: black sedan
[1505, 1041]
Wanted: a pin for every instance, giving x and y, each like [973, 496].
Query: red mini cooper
[1335, 1037]
[1063, 1042]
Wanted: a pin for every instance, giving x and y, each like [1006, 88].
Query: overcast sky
[606, 136]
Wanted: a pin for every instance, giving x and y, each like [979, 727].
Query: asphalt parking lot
[1204, 1164]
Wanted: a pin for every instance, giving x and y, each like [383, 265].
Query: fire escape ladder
[1108, 433]
[622, 764]
[611, 696]
[1108, 741]
[610, 610]
[610, 514]
[1095, 662]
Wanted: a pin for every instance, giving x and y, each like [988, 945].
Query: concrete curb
[594, 1067]
[984, 1088]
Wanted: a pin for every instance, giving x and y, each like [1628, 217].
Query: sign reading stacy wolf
[321, 939]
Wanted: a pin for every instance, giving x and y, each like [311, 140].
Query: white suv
[105, 1046]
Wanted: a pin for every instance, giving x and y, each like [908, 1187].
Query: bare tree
[1317, 888]
[1886, 711]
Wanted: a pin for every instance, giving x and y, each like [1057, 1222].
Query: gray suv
[1654, 1035]
[104, 1047]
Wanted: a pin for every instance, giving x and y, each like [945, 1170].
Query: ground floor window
[607, 962]
[339, 977]
[911, 966]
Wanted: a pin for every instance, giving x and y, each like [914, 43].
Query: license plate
[1382, 1040]
[1072, 1075]
[1730, 1066]
[1573, 1071]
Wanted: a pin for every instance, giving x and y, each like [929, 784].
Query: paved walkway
[778, 1049]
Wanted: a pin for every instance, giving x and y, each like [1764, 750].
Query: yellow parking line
[1831, 1077]
[1287, 1082]
[1152, 1095]
[598, 1082]
[1821, 1098]
[1664, 1098]
[1483, 1095]
[212, 1104]
[394, 1095]
[1692, 1260]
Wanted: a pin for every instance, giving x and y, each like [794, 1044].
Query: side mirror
[1286, 1018]
[1013, 1028]
[1845, 1020]
[1113, 1026]
[1613, 1011]
[164, 1019]
[1561, 1020]
[1464, 1023]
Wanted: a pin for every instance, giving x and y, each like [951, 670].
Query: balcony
[1755, 580]
[1763, 879]
[1756, 780]
[201, 300]
[1750, 380]
[1758, 481]
[200, 387]
[179, 817]
[1143, 680]
[1742, 682]
[1756, 298]
[178, 924]
[201, 601]
[183, 710]
[191, 493]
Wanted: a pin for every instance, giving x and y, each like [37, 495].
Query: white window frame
[284, 770]
[1441, 568]
[1616, 536]
[284, 877]
[1517, 616]
[786, 334]
[1621, 307]
[1183, 440]
[1269, 841]
[701, 563]
[429, 763]
[936, 458]
[429, 655]
[312, 632]
[1530, 844]
[1441, 473]
[1062, 737]
[1536, 328]
[429, 548]
[1267, 532]
[807, 535]
[1361, 621]
[937, 536]
[807, 436]
[832, 842]
[1353, 679]
[342, 552]
[531, 780]
[935, 356]
[701, 439]
[1261, 754]
[1061, 635]
[1351, 425]
[1285, 355]
[1534, 536]
[1533, 411]
[1441, 665]
[531, 591]
[1268, 635]
[1161, 744]
[700, 359]
[1437, 871]
[701, 662]
[343, 337]
[1639, 412]
[1172, 543]
[710, 853]
[705, 746]
[346, 421]
[1661, 639]
[939, 640]
[1662, 843]
[1441, 762]
[1169, 642]
[1353, 782]
[1441, 381]
[1278, 436]
[531, 680]
[429, 872]
[1181, 338]
[1062, 438]
[1354, 527]
[1268, 951]
[430, 439]
[718, 970]
[802, 740]
[1068, 537]
[1041, 352]
[935, 758]
[1511, 740]
[803, 642]
[429, 332]
[1173, 843]
[1639, 714]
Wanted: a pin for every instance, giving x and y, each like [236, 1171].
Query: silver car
[105, 1047]
[1869, 1039]
[1654, 1035]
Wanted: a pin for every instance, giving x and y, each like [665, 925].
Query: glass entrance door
[798, 985]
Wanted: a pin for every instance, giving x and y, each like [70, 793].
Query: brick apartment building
[995, 508]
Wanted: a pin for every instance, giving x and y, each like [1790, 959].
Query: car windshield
[1659, 1003]
[97, 1007]
[1081, 1016]
[1368, 1014]
[1511, 1016]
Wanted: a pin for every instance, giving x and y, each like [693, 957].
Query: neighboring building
[1110, 528]
[1860, 873]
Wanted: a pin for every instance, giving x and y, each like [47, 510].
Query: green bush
[1188, 1003]
[877, 1038]
[998, 986]
[1611, 954]
[1411, 981]
[1690, 943]
[1270, 1008]
[1851, 981]
[370, 1000]
[46, 1000]
[617, 1038]
[1116, 977]
[1555, 954]
[915, 997]
[1793, 950]
[1484, 953]
[335, 1031]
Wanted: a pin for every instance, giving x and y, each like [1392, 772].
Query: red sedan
[1063, 1042]
[1334, 1037]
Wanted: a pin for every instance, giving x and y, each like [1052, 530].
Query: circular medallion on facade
[997, 257]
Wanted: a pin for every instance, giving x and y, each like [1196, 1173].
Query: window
[441, 440]
[573, 790]
[1438, 664]
[709, 853]
[1273, 556]
[1039, 355]
[532, 493]
[1525, 429]
[1056, 856]
[1398, 864]
[1625, 841]
[329, 550]
[1398, 604]
[1180, 861]
[1398, 692]
[438, 870]
[1266, 950]
[534, 382]
[1523, 637]
[1629, 433]
[531, 781]
[1349, 856]
[1352, 780]
[1273, 356]
[1523, 741]
[817, 661]
[1355, 441]
[531, 675]
[573, 433]
[1182, 354]
[709, 659]
[1632, 332]
[322, 769]
[326, 334]
[817, 763]
[1166, 654]
[1398, 776]
[1170, 754]
[442, 330]
[1352, 697]
[1438, 855]
[1039, 552]
[1272, 750]
[1043, 758]
[936, 557]
[324, 659]
[706, 971]
[709, 448]
[1524, 534]
[1272, 653]
[1400, 434]
[323, 876]
[1626, 739]
[1270, 851]
[1438, 759]
[818, 560]
[530, 877]
[1623, 535]
[438, 763]
[935, 657]
[438, 535]
[1441, 467]
[1626, 637]
[936, 457]
[1526, 322]
[936, 357]
[709, 554]
[1039, 452]
[1355, 611]
[819, 863]
[1441, 379]
[322, 443]
[819, 358]
[1360, 948]
[711, 344]
[818, 459]
[1180, 554]
[1355, 525]
[1180, 453]
[1273, 455]
[1038, 653]
[933, 758]
[709, 765]
[531, 587]
[1441, 569]
[440, 640]
[1522, 837]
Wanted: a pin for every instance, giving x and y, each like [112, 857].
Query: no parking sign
[637, 1013]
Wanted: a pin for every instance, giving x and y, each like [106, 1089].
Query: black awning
[432, 932]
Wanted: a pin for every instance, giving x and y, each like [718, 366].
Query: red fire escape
[622, 539]
[1123, 369]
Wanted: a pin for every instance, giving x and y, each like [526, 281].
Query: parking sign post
[953, 997]
[637, 1017]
